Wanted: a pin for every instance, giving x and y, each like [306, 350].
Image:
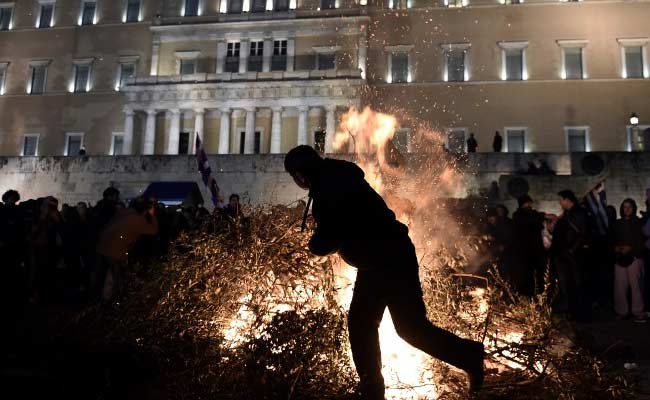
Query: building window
[191, 8]
[117, 146]
[577, 138]
[257, 144]
[255, 57]
[327, 4]
[455, 3]
[73, 144]
[633, 61]
[573, 67]
[242, 142]
[127, 71]
[37, 78]
[46, 15]
[634, 57]
[638, 137]
[187, 66]
[456, 62]
[279, 59]
[399, 66]
[235, 6]
[5, 18]
[401, 140]
[132, 11]
[281, 5]
[514, 64]
[3, 76]
[30, 145]
[258, 6]
[81, 78]
[516, 140]
[398, 4]
[325, 61]
[88, 13]
[232, 57]
[319, 141]
[456, 140]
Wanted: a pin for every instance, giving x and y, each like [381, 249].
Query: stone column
[330, 127]
[276, 131]
[302, 124]
[199, 114]
[221, 55]
[267, 54]
[155, 55]
[244, 51]
[150, 133]
[249, 137]
[291, 53]
[127, 144]
[224, 131]
[174, 131]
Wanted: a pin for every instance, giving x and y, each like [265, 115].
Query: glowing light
[363, 2]
[524, 74]
[124, 16]
[223, 7]
[269, 5]
[465, 2]
[247, 6]
[336, 4]
[408, 77]
[292, 4]
[389, 78]
[390, 3]
[466, 74]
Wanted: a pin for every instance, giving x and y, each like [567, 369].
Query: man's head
[302, 163]
[628, 208]
[111, 195]
[10, 197]
[525, 201]
[233, 201]
[568, 199]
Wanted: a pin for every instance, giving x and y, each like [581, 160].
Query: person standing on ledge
[353, 220]
[472, 144]
[497, 143]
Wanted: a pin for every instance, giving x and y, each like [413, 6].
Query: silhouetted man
[497, 143]
[353, 220]
[472, 144]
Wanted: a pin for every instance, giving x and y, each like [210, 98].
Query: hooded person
[353, 220]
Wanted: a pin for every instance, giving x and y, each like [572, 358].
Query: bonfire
[241, 309]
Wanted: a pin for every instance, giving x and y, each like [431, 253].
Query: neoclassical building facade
[261, 76]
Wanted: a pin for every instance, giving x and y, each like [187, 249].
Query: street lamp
[634, 121]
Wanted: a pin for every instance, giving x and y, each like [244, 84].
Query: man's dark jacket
[353, 219]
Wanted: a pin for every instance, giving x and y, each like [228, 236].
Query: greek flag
[596, 200]
[206, 171]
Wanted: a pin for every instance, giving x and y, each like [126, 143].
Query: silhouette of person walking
[353, 220]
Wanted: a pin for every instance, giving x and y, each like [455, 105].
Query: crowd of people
[597, 258]
[79, 252]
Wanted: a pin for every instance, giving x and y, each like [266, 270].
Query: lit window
[191, 8]
[399, 67]
[30, 145]
[634, 61]
[455, 3]
[281, 5]
[88, 10]
[73, 144]
[3, 76]
[456, 140]
[232, 57]
[456, 65]
[81, 78]
[259, 6]
[37, 78]
[577, 138]
[46, 15]
[514, 64]
[117, 147]
[132, 11]
[255, 57]
[187, 66]
[279, 59]
[573, 62]
[401, 140]
[235, 6]
[127, 71]
[516, 140]
[5, 18]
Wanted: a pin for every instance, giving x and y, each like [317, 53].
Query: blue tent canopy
[175, 193]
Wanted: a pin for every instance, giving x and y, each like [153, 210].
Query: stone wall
[261, 178]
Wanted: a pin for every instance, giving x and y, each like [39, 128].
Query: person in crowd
[570, 246]
[472, 144]
[12, 247]
[645, 221]
[353, 220]
[105, 209]
[504, 213]
[233, 209]
[628, 238]
[497, 142]
[501, 235]
[46, 240]
[115, 242]
[531, 260]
